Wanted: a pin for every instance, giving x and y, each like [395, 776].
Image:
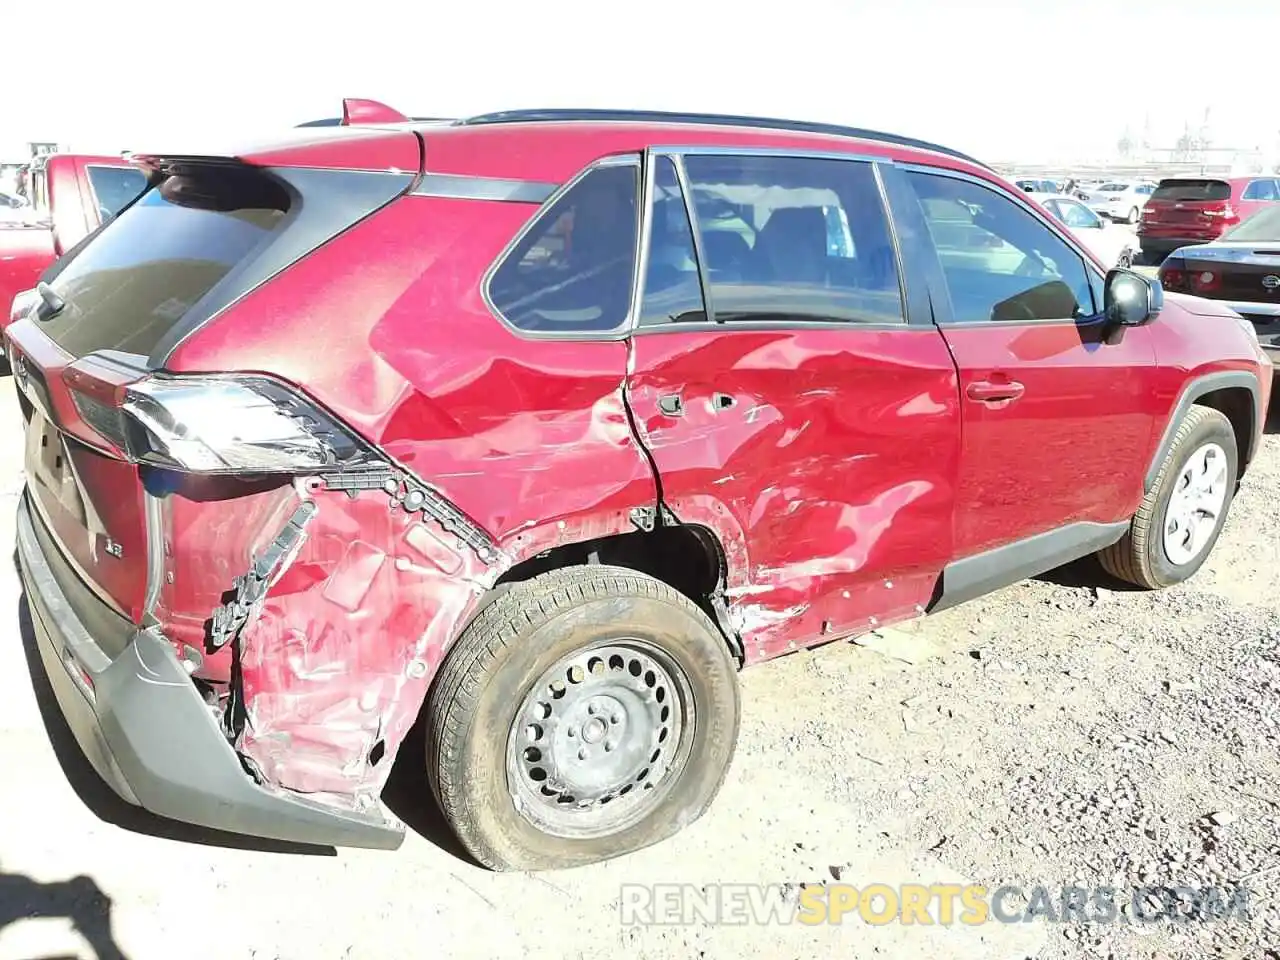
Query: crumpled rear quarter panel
[529, 439]
[348, 640]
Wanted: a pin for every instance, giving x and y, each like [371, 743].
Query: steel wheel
[597, 736]
[1125, 260]
[1199, 496]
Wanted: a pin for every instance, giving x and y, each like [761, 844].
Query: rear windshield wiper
[50, 304]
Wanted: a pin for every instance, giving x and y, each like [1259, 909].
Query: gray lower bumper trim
[149, 734]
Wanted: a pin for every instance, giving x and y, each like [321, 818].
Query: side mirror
[1130, 299]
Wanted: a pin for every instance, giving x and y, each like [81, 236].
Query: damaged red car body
[546, 422]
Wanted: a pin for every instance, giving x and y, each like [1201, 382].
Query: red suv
[1189, 210]
[540, 425]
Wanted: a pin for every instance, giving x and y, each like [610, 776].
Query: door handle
[672, 405]
[987, 391]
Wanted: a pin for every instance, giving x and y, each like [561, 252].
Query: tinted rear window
[1185, 190]
[139, 276]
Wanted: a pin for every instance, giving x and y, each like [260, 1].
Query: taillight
[211, 424]
[1205, 281]
[234, 425]
[1173, 277]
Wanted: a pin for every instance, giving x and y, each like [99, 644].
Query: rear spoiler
[356, 111]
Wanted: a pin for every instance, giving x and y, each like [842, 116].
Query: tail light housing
[210, 424]
[1205, 282]
[1173, 277]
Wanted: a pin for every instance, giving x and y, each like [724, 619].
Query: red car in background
[539, 425]
[1188, 210]
[71, 195]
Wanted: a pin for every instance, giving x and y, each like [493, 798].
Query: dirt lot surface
[1054, 733]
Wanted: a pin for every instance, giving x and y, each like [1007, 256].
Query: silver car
[1119, 200]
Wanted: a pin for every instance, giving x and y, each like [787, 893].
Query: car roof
[554, 150]
[714, 120]
[551, 146]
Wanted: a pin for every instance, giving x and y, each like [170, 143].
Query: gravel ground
[1055, 733]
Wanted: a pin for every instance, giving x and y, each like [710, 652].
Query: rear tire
[1134, 215]
[586, 713]
[1172, 533]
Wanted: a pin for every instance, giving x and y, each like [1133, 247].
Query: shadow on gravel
[100, 798]
[1085, 572]
[1273, 415]
[79, 899]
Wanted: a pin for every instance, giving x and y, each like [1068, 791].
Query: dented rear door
[793, 410]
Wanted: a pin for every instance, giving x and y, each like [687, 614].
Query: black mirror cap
[1130, 299]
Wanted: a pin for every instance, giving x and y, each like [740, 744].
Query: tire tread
[1128, 559]
[460, 682]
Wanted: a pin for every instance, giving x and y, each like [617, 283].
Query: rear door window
[1260, 190]
[572, 271]
[1000, 262]
[1192, 190]
[794, 239]
[114, 188]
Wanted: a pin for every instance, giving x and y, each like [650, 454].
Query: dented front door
[804, 421]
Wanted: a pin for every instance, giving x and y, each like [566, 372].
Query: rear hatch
[89, 361]
[1194, 208]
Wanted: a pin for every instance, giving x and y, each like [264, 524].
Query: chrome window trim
[729, 150]
[1091, 269]
[899, 260]
[622, 329]
[466, 187]
[648, 173]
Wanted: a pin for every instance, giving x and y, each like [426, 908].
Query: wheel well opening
[1236, 404]
[686, 557]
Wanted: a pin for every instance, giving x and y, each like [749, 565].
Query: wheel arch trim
[1194, 390]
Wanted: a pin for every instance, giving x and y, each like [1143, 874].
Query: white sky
[1038, 80]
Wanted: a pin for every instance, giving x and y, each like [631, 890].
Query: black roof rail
[717, 119]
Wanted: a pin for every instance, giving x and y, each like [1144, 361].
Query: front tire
[586, 713]
[1182, 515]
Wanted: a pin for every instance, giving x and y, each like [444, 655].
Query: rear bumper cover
[149, 734]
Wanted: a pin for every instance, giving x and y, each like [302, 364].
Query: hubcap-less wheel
[596, 736]
[1195, 507]
[1125, 261]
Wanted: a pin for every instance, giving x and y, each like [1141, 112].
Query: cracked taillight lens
[227, 425]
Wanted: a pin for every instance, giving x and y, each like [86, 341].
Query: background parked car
[1187, 210]
[71, 195]
[1119, 200]
[1112, 245]
[1037, 186]
[1242, 269]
